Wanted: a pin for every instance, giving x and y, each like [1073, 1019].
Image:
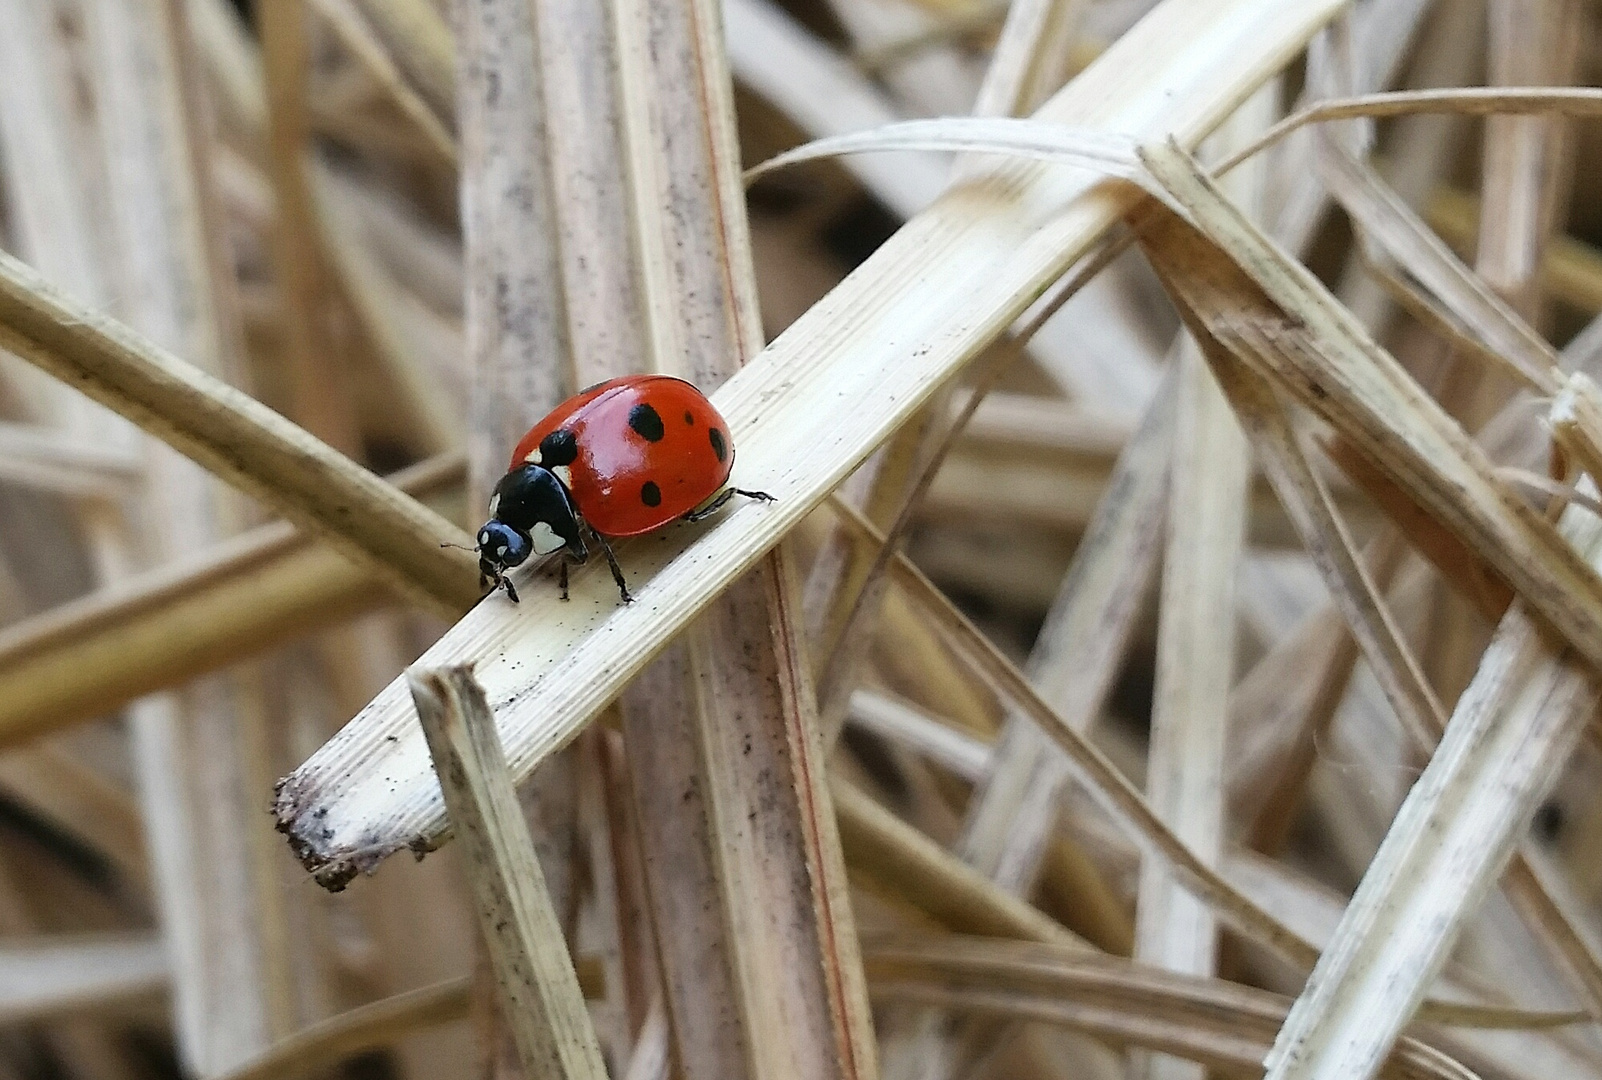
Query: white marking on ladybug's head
[495, 504]
[545, 539]
[533, 457]
[564, 473]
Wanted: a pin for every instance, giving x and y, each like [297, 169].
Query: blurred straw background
[1173, 651]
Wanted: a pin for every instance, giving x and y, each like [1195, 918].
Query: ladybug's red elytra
[621, 458]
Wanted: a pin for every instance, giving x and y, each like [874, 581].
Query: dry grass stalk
[1400, 674]
[154, 257]
[1576, 422]
[1514, 725]
[362, 39]
[650, 261]
[1089, 765]
[53, 782]
[1388, 223]
[420, 44]
[315, 375]
[897, 857]
[540, 997]
[365, 1028]
[1013, 813]
[92, 656]
[606, 232]
[1275, 736]
[1206, 528]
[823, 93]
[781, 411]
[1570, 272]
[238, 439]
[47, 459]
[1130, 1005]
[1296, 338]
[939, 742]
[49, 975]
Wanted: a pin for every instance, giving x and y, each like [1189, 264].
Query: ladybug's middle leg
[617, 571]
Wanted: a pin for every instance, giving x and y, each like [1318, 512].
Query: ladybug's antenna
[458, 547]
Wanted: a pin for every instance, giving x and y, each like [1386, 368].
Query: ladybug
[621, 458]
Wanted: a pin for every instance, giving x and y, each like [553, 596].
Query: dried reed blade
[782, 410]
[53, 974]
[1526, 175]
[1313, 350]
[907, 863]
[1463, 100]
[1576, 422]
[1101, 779]
[1207, 1020]
[149, 631]
[368, 1027]
[317, 378]
[1512, 729]
[1076, 657]
[540, 997]
[1349, 581]
[1111, 153]
[937, 742]
[1390, 225]
[420, 41]
[240, 440]
[357, 35]
[818, 89]
[1206, 534]
[1195, 666]
[50, 460]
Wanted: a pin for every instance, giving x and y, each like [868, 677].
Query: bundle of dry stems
[1173, 650]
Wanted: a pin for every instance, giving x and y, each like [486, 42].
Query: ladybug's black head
[501, 547]
[531, 513]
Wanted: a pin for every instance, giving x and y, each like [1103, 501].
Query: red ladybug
[622, 458]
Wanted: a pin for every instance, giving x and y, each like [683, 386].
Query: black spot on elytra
[650, 494]
[719, 447]
[689, 417]
[646, 422]
[558, 448]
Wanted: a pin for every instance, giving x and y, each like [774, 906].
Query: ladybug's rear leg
[723, 497]
[617, 571]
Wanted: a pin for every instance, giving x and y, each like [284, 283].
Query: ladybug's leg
[711, 508]
[561, 575]
[724, 496]
[511, 591]
[617, 571]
